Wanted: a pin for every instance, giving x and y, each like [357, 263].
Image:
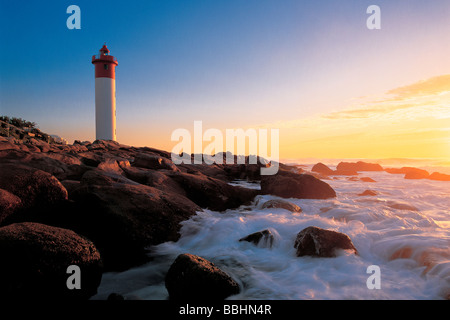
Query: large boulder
[192, 277]
[318, 242]
[34, 261]
[124, 219]
[153, 178]
[61, 166]
[287, 184]
[155, 162]
[9, 203]
[211, 193]
[35, 188]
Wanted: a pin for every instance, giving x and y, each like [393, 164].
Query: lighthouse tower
[105, 95]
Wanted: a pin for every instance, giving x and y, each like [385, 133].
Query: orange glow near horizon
[407, 122]
[412, 121]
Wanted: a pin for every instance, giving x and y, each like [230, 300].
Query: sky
[311, 69]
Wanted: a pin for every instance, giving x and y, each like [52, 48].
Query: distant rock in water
[366, 179]
[323, 169]
[318, 242]
[191, 277]
[409, 172]
[368, 193]
[287, 184]
[292, 207]
[264, 237]
[402, 206]
[439, 176]
[34, 260]
[417, 174]
[358, 166]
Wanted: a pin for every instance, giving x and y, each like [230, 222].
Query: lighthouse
[105, 95]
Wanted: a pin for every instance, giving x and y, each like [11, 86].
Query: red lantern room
[105, 64]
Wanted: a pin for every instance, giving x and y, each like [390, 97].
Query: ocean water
[404, 230]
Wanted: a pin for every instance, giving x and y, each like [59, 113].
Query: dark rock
[153, 178]
[35, 188]
[192, 277]
[124, 219]
[292, 207]
[288, 184]
[115, 297]
[9, 203]
[211, 193]
[155, 162]
[265, 237]
[70, 185]
[34, 261]
[314, 241]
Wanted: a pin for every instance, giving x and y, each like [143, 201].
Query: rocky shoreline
[101, 205]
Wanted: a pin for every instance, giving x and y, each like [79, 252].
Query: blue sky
[234, 63]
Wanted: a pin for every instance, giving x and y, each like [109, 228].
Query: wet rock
[124, 219]
[318, 242]
[192, 277]
[211, 193]
[288, 184]
[292, 207]
[264, 238]
[34, 261]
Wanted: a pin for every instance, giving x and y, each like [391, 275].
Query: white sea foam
[404, 229]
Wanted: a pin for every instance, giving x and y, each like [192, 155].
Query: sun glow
[410, 121]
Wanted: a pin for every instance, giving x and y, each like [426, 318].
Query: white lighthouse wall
[105, 108]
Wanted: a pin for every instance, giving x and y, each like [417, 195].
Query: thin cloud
[417, 94]
[432, 86]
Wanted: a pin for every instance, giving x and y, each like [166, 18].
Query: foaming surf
[404, 229]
